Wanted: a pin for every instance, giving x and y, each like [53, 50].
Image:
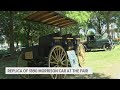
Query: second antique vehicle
[97, 42]
[52, 48]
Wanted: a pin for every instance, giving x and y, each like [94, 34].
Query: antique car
[52, 48]
[96, 42]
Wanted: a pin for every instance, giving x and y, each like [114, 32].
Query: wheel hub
[59, 63]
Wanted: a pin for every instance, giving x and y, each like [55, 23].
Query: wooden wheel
[58, 58]
[81, 54]
[24, 63]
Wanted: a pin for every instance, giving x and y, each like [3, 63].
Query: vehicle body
[96, 42]
[51, 50]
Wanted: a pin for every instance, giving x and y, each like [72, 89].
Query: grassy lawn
[104, 64]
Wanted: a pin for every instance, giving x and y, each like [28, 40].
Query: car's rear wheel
[107, 47]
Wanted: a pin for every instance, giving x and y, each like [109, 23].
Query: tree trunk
[85, 33]
[118, 33]
[11, 32]
[17, 44]
[113, 34]
[108, 30]
[99, 27]
[28, 36]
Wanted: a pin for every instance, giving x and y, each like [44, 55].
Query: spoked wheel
[107, 47]
[24, 63]
[81, 54]
[58, 58]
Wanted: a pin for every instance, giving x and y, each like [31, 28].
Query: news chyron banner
[74, 69]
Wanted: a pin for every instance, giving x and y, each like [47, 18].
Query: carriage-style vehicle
[51, 51]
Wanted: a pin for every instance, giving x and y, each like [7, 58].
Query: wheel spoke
[61, 76]
[61, 53]
[63, 57]
[64, 62]
[55, 59]
[55, 54]
[54, 76]
[53, 63]
[58, 58]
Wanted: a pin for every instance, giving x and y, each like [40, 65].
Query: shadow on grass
[92, 76]
[96, 51]
[12, 62]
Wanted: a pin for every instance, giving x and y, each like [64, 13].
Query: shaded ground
[93, 76]
[111, 72]
[12, 63]
[7, 62]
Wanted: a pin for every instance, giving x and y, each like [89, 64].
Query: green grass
[105, 62]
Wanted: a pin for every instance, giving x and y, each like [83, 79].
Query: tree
[81, 17]
[99, 19]
[118, 23]
[110, 17]
[91, 33]
[6, 24]
[9, 26]
[1, 40]
[11, 31]
[97, 22]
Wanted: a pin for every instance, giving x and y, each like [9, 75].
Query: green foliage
[21, 27]
[97, 22]
[82, 36]
[81, 17]
[91, 33]
[1, 40]
[85, 19]
[100, 19]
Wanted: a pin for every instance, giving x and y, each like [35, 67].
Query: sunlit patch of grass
[103, 60]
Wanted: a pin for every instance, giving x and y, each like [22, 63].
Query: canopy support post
[60, 31]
